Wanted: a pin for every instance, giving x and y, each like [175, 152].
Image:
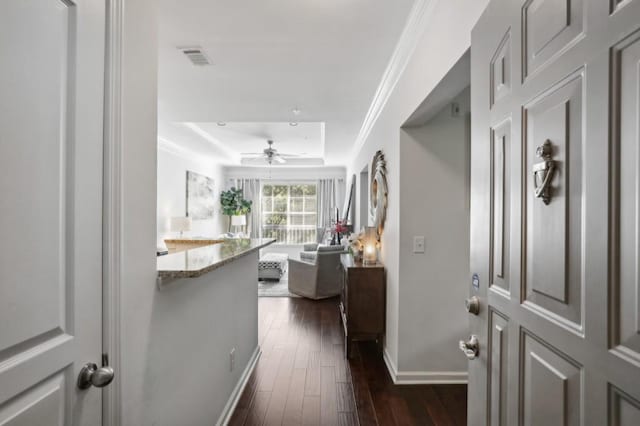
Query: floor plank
[328, 395]
[311, 411]
[303, 377]
[295, 398]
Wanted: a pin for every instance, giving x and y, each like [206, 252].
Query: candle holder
[370, 246]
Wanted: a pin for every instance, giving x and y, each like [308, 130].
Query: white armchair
[317, 278]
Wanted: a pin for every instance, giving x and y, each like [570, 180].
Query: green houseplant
[234, 204]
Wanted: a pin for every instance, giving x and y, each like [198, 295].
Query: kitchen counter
[175, 245]
[198, 261]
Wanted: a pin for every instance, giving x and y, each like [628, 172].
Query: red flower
[340, 227]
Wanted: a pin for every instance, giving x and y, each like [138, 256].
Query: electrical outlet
[232, 359]
[418, 244]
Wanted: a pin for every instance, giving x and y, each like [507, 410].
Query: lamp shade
[240, 220]
[180, 224]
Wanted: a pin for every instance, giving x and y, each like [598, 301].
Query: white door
[51, 113]
[557, 271]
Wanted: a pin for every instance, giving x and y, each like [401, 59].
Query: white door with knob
[555, 214]
[51, 141]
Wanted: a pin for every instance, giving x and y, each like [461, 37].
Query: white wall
[172, 170]
[434, 200]
[195, 323]
[447, 35]
[139, 142]
[174, 343]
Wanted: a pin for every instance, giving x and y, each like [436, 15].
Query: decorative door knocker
[543, 172]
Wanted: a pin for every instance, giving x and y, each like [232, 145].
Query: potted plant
[234, 204]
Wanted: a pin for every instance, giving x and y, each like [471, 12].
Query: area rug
[274, 289]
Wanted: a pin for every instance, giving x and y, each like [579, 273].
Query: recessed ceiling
[323, 57]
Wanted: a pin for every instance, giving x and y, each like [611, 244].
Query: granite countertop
[194, 240]
[198, 261]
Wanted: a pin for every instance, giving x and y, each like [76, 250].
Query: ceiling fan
[269, 154]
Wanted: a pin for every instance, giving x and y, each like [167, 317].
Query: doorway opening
[434, 233]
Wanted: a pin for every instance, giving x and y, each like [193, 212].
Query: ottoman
[272, 266]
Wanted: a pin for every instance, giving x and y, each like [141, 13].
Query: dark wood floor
[302, 377]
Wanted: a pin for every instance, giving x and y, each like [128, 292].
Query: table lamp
[180, 224]
[240, 220]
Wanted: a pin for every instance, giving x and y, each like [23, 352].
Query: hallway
[302, 377]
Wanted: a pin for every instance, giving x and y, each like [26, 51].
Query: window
[289, 212]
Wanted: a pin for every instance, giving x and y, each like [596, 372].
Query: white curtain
[251, 191]
[327, 202]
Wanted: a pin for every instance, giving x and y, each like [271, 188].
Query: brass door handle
[543, 172]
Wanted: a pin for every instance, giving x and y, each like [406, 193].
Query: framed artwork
[200, 196]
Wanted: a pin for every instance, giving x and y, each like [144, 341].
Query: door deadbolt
[472, 305]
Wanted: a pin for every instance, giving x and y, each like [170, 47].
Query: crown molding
[185, 153]
[416, 23]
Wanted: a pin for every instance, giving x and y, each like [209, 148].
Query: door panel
[553, 254]
[624, 410]
[627, 300]
[549, 26]
[617, 5]
[43, 404]
[552, 385]
[51, 114]
[568, 306]
[501, 70]
[498, 366]
[38, 192]
[500, 204]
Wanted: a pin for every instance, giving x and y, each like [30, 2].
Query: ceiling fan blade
[278, 159]
[256, 160]
[291, 155]
[246, 154]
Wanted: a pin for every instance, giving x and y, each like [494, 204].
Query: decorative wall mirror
[378, 191]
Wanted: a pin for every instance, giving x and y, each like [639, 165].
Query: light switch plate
[418, 244]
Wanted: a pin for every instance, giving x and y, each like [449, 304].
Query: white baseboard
[237, 391]
[422, 377]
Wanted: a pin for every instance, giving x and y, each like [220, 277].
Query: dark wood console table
[363, 301]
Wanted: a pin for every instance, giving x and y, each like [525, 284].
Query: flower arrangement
[357, 243]
[338, 229]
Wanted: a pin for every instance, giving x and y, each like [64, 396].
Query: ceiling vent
[196, 55]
